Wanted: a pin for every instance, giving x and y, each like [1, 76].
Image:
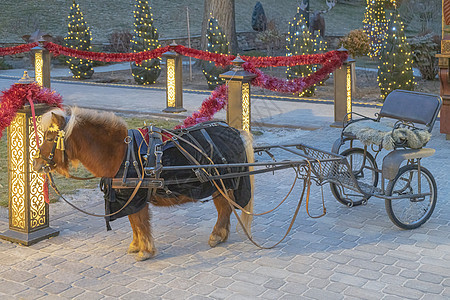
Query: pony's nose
[38, 165]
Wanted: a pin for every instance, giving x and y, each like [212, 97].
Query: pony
[98, 140]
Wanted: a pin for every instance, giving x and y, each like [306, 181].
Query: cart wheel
[362, 173]
[410, 213]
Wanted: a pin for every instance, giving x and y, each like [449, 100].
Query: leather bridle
[58, 143]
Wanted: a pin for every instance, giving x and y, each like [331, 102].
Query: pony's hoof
[144, 255]
[132, 249]
[214, 240]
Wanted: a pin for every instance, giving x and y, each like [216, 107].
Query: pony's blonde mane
[76, 115]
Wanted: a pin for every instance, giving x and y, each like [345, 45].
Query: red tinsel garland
[17, 49]
[219, 97]
[335, 60]
[221, 60]
[215, 102]
[137, 57]
[18, 95]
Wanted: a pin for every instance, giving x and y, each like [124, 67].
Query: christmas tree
[375, 24]
[79, 37]
[145, 38]
[395, 69]
[217, 43]
[301, 41]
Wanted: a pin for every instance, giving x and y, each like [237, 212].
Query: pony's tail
[248, 218]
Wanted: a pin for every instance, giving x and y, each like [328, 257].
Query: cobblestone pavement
[350, 253]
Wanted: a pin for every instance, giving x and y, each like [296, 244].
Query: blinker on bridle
[58, 143]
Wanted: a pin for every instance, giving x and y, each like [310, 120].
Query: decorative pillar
[41, 64]
[239, 104]
[174, 81]
[444, 63]
[28, 212]
[343, 91]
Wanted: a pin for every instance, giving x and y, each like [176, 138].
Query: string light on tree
[375, 24]
[395, 69]
[301, 41]
[79, 37]
[217, 43]
[145, 38]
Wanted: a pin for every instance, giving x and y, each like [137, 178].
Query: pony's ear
[58, 120]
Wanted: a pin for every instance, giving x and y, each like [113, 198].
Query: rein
[234, 205]
[58, 143]
[53, 185]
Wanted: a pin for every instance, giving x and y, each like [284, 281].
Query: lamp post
[174, 81]
[41, 64]
[444, 66]
[343, 91]
[28, 212]
[239, 104]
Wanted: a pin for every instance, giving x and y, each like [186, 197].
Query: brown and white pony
[97, 140]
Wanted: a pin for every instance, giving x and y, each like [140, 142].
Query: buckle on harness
[201, 176]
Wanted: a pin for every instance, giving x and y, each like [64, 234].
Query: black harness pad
[223, 144]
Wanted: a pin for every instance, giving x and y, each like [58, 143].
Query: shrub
[4, 65]
[424, 49]
[120, 41]
[356, 42]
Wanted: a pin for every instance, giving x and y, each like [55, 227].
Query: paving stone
[17, 276]
[30, 294]
[274, 284]
[348, 279]
[250, 278]
[115, 291]
[221, 294]
[318, 283]
[95, 272]
[201, 289]
[321, 294]
[223, 282]
[410, 274]
[72, 292]
[90, 284]
[38, 282]
[271, 272]
[89, 296]
[64, 276]
[55, 288]
[425, 287]
[10, 287]
[246, 289]
[403, 292]
[440, 271]
[294, 288]
[391, 270]
[346, 269]
[431, 278]
[362, 293]
[272, 294]
[336, 287]
[320, 273]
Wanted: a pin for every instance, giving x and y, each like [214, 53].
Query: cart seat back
[418, 108]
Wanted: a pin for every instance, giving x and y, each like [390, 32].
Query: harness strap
[133, 155]
[154, 140]
[214, 147]
[128, 141]
[201, 175]
[53, 185]
[81, 178]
